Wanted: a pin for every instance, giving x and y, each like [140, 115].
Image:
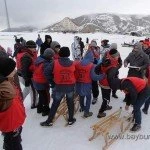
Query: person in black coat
[46, 44]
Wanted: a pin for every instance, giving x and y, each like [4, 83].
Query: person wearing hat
[109, 61]
[25, 65]
[46, 44]
[63, 70]
[96, 53]
[55, 46]
[40, 82]
[114, 46]
[12, 111]
[137, 58]
[104, 47]
[85, 73]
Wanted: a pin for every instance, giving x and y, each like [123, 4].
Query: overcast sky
[45, 12]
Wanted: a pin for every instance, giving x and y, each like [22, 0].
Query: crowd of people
[51, 75]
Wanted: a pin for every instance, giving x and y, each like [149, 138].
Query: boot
[145, 111]
[101, 114]
[114, 96]
[87, 114]
[46, 124]
[71, 122]
[136, 127]
[108, 107]
[94, 100]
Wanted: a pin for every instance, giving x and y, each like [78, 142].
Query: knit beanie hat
[30, 44]
[64, 52]
[48, 53]
[114, 53]
[7, 65]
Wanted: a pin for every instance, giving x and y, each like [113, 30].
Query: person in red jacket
[12, 111]
[25, 64]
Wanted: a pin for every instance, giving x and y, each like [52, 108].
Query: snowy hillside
[76, 137]
[108, 23]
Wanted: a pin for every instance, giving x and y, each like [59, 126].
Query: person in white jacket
[75, 48]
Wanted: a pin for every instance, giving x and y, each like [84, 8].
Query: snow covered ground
[76, 137]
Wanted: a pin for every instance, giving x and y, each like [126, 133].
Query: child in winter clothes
[84, 76]
[12, 111]
[63, 71]
[40, 82]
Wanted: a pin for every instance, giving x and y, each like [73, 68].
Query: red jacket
[64, 75]
[83, 73]
[14, 116]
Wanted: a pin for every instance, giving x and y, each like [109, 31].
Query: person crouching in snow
[110, 61]
[138, 93]
[40, 82]
[12, 111]
[84, 76]
[63, 70]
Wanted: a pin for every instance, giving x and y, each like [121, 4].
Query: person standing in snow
[104, 47]
[46, 44]
[23, 41]
[12, 111]
[96, 53]
[63, 70]
[40, 82]
[85, 73]
[39, 42]
[25, 65]
[81, 46]
[110, 61]
[75, 48]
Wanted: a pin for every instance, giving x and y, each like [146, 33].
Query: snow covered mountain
[21, 29]
[108, 23]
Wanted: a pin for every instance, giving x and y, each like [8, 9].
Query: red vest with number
[14, 116]
[138, 83]
[83, 73]
[64, 75]
[38, 74]
[114, 63]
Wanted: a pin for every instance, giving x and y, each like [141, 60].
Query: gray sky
[45, 12]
